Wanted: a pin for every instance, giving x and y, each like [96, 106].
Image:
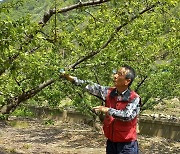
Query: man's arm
[129, 113]
[93, 88]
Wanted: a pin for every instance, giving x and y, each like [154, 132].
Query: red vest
[117, 130]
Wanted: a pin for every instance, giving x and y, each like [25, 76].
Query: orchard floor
[33, 136]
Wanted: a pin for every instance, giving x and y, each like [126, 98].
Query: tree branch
[139, 85]
[92, 17]
[8, 62]
[11, 59]
[93, 53]
[18, 83]
[12, 103]
[51, 12]
[45, 19]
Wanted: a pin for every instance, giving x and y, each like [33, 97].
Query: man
[121, 108]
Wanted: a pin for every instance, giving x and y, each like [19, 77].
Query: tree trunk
[12, 103]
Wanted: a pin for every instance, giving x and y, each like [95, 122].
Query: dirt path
[29, 136]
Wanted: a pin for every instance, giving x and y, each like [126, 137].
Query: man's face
[120, 78]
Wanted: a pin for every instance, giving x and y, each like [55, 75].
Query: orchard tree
[89, 39]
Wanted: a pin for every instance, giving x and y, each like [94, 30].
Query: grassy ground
[33, 136]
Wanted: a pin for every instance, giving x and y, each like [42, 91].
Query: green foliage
[3, 117]
[23, 112]
[31, 54]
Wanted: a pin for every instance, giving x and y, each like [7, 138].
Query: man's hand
[64, 74]
[101, 108]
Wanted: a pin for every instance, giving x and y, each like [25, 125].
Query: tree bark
[51, 12]
[12, 103]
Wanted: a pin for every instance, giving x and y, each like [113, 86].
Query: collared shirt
[130, 112]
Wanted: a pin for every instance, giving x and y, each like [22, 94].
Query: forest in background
[89, 39]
